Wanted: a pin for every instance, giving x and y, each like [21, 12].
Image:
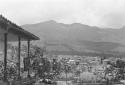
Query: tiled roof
[12, 27]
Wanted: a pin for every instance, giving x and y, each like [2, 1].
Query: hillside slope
[78, 37]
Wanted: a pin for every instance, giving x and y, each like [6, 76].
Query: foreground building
[10, 32]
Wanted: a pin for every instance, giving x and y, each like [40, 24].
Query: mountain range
[78, 37]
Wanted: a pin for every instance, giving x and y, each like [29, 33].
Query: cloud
[103, 13]
[113, 19]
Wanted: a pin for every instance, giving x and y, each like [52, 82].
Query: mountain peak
[51, 21]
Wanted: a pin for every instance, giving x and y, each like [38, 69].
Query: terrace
[10, 32]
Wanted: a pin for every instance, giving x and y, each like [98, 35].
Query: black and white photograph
[62, 42]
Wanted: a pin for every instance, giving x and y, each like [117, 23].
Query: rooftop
[13, 28]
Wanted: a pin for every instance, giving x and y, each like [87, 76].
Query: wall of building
[1, 45]
[1, 50]
[1, 40]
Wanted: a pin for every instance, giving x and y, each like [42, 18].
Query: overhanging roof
[17, 30]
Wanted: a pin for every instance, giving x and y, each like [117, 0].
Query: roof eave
[18, 30]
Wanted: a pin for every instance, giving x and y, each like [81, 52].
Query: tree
[115, 71]
[56, 66]
[120, 65]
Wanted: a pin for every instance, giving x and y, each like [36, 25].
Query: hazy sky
[104, 13]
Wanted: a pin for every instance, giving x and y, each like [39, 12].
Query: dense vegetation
[45, 66]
